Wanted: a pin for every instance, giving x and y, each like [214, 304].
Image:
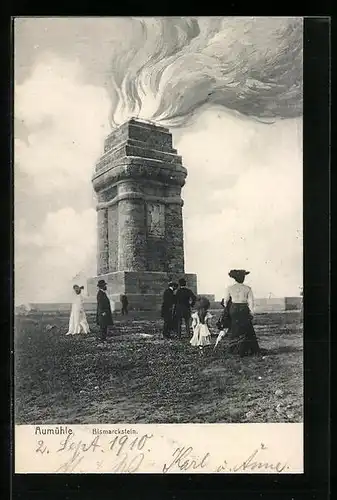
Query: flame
[170, 67]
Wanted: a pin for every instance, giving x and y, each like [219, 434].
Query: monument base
[143, 289]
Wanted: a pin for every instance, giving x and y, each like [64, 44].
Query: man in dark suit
[125, 304]
[167, 309]
[104, 315]
[185, 300]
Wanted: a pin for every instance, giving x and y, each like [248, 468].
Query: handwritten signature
[252, 463]
[125, 454]
[182, 459]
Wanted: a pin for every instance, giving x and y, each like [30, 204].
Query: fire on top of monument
[138, 182]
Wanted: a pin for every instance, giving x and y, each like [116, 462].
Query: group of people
[178, 301]
[235, 321]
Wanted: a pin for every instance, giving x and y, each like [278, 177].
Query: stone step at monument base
[137, 302]
[144, 289]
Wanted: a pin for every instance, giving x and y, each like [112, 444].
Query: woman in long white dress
[78, 321]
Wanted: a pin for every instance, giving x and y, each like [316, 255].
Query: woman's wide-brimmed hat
[234, 273]
[101, 283]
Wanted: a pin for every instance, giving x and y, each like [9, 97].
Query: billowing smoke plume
[170, 67]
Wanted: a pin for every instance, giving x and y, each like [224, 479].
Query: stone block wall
[102, 242]
[153, 188]
[107, 194]
[113, 238]
[152, 136]
[150, 283]
[174, 237]
[132, 241]
[117, 136]
[144, 289]
[156, 254]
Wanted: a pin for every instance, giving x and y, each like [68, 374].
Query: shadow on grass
[280, 350]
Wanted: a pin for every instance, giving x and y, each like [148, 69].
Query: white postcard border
[160, 448]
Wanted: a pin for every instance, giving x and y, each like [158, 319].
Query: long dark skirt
[241, 335]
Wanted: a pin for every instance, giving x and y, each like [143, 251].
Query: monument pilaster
[102, 241]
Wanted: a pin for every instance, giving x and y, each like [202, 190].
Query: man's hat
[101, 283]
[234, 273]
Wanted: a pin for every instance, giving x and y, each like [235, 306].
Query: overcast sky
[243, 196]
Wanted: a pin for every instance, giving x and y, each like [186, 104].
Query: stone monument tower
[138, 183]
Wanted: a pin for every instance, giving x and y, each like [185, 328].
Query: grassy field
[134, 379]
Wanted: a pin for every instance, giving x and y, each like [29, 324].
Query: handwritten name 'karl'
[183, 460]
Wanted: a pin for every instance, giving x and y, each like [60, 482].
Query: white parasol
[221, 335]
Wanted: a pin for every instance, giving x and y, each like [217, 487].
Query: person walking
[239, 300]
[167, 309]
[125, 305]
[78, 321]
[104, 314]
[185, 300]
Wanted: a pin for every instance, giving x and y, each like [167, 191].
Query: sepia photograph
[158, 207]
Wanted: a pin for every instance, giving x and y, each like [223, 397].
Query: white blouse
[241, 294]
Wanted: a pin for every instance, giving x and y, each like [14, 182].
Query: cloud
[67, 122]
[254, 221]
[62, 247]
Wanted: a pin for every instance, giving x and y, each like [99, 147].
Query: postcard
[158, 245]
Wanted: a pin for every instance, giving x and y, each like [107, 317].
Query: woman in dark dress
[240, 304]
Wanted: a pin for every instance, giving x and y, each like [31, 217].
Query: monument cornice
[111, 161]
[135, 195]
[135, 168]
[133, 148]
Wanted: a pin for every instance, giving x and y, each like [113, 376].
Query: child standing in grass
[200, 324]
